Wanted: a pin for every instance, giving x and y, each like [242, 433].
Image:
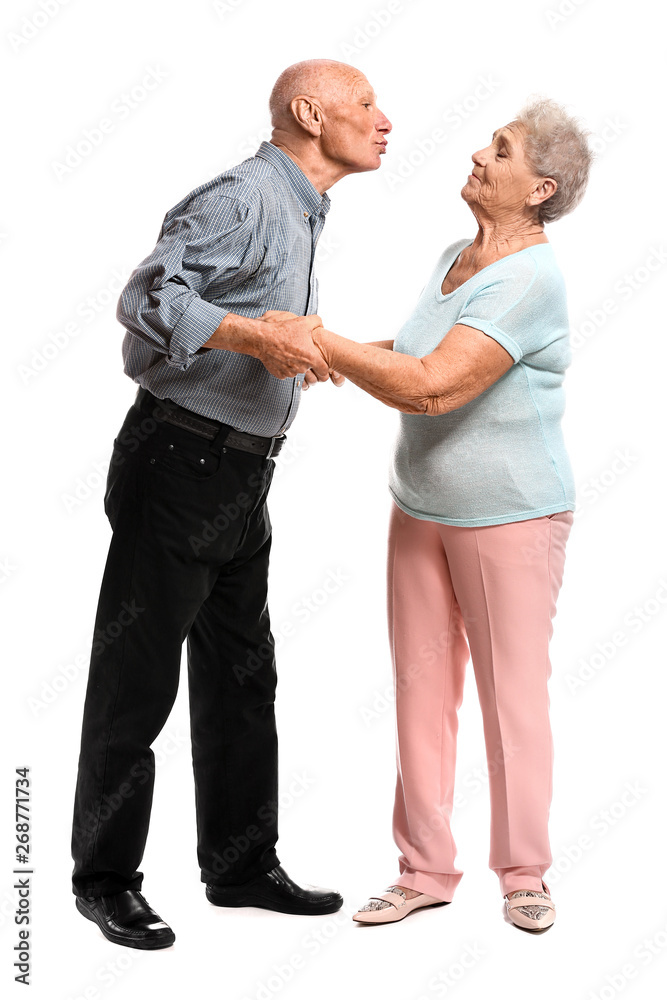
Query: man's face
[354, 130]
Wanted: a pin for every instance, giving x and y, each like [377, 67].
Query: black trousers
[188, 559]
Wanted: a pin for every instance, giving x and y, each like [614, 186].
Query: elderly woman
[483, 500]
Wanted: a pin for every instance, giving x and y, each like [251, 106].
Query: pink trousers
[489, 593]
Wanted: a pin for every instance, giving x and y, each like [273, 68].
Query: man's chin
[366, 168]
[366, 165]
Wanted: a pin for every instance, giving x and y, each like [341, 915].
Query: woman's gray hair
[556, 145]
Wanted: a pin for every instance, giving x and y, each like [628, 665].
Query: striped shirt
[243, 243]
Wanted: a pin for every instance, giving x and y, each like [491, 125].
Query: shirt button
[305, 215]
[298, 384]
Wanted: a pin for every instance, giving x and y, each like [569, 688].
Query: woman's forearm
[387, 345]
[398, 380]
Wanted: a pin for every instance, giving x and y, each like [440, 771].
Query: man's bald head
[326, 80]
[325, 117]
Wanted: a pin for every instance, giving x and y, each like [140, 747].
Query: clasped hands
[292, 345]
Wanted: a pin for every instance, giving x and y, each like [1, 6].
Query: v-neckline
[438, 290]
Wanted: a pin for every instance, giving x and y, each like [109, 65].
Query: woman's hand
[310, 377]
[320, 341]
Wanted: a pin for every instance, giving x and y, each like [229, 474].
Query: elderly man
[219, 319]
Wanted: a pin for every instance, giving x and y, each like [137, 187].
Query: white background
[66, 237]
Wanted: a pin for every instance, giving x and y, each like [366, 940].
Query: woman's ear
[542, 190]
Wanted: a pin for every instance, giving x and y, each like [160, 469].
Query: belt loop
[274, 440]
[220, 438]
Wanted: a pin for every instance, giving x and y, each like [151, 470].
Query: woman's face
[501, 180]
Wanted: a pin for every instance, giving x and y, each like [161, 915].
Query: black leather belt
[173, 413]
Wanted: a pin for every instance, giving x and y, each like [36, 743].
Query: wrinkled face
[501, 180]
[354, 130]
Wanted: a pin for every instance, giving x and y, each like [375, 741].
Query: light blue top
[501, 457]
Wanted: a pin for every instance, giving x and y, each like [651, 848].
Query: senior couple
[222, 336]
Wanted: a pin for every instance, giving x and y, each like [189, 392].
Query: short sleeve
[516, 307]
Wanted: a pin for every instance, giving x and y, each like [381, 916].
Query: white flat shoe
[533, 911]
[393, 905]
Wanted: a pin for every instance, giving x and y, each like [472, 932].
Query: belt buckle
[279, 437]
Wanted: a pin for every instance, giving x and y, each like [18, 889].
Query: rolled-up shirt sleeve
[204, 249]
[514, 308]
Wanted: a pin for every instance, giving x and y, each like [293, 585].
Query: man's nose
[384, 125]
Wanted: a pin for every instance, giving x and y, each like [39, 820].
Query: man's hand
[287, 346]
[311, 377]
[282, 341]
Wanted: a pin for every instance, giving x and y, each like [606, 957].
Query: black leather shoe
[126, 918]
[275, 890]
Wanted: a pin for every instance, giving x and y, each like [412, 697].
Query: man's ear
[546, 187]
[307, 113]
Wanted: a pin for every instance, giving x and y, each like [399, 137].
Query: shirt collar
[308, 195]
